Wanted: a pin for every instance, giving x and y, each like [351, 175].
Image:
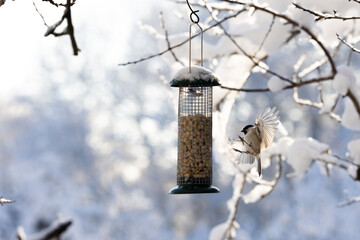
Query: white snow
[329, 102]
[352, 171]
[281, 147]
[256, 193]
[196, 73]
[344, 80]
[217, 232]
[275, 84]
[350, 117]
[302, 152]
[299, 152]
[354, 149]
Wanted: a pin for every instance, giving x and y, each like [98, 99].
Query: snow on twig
[324, 16]
[68, 30]
[348, 44]
[54, 231]
[349, 202]
[181, 43]
[4, 201]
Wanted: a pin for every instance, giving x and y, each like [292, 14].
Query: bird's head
[246, 128]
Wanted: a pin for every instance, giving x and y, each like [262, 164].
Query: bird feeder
[194, 164]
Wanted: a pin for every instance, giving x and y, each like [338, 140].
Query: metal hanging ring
[193, 13]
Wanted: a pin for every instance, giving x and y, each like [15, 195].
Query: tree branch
[55, 230]
[237, 193]
[349, 202]
[322, 16]
[347, 44]
[69, 30]
[354, 100]
[167, 39]
[294, 23]
[5, 201]
[183, 42]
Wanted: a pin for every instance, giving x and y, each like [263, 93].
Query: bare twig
[348, 44]
[324, 16]
[183, 42]
[266, 35]
[245, 89]
[70, 27]
[69, 30]
[59, 4]
[167, 39]
[298, 84]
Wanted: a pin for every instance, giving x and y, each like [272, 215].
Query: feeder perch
[194, 166]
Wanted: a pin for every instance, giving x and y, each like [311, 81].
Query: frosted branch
[324, 16]
[167, 39]
[354, 100]
[5, 201]
[181, 43]
[54, 231]
[237, 193]
[68, 30]
[348, 44]
[349, 202]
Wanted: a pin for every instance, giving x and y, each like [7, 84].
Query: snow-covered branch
[348, 44]
[349, 202]
[68, 30]
[325, 16]
[4, 201]
[54, 231]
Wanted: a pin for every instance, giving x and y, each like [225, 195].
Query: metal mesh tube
[195, 136]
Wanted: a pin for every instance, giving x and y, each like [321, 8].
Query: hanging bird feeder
[194, 166]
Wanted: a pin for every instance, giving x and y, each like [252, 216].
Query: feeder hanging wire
[196, 21]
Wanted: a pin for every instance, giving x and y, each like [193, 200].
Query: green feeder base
[193, 189]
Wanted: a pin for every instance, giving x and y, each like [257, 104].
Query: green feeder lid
[199, 76]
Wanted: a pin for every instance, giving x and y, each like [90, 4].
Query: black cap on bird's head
[245, 129]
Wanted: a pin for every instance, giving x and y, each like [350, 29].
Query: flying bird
[257, 137]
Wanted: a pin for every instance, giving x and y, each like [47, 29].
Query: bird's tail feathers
[259, 166]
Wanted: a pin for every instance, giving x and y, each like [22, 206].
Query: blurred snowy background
[85, 139]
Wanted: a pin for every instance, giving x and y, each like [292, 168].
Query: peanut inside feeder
[194, 168]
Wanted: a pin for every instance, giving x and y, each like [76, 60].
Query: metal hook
[193, 13]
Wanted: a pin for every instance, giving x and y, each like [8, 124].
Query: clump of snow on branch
[299, 153]
[344, 80]
[329, 103]
[354, 149]
[257, 193]
[344, 84]
[350, 117]
[217, 232]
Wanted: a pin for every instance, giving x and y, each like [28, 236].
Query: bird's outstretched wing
[240, 154]
[267, 124]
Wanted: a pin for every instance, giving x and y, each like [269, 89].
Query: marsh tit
[257, 137]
